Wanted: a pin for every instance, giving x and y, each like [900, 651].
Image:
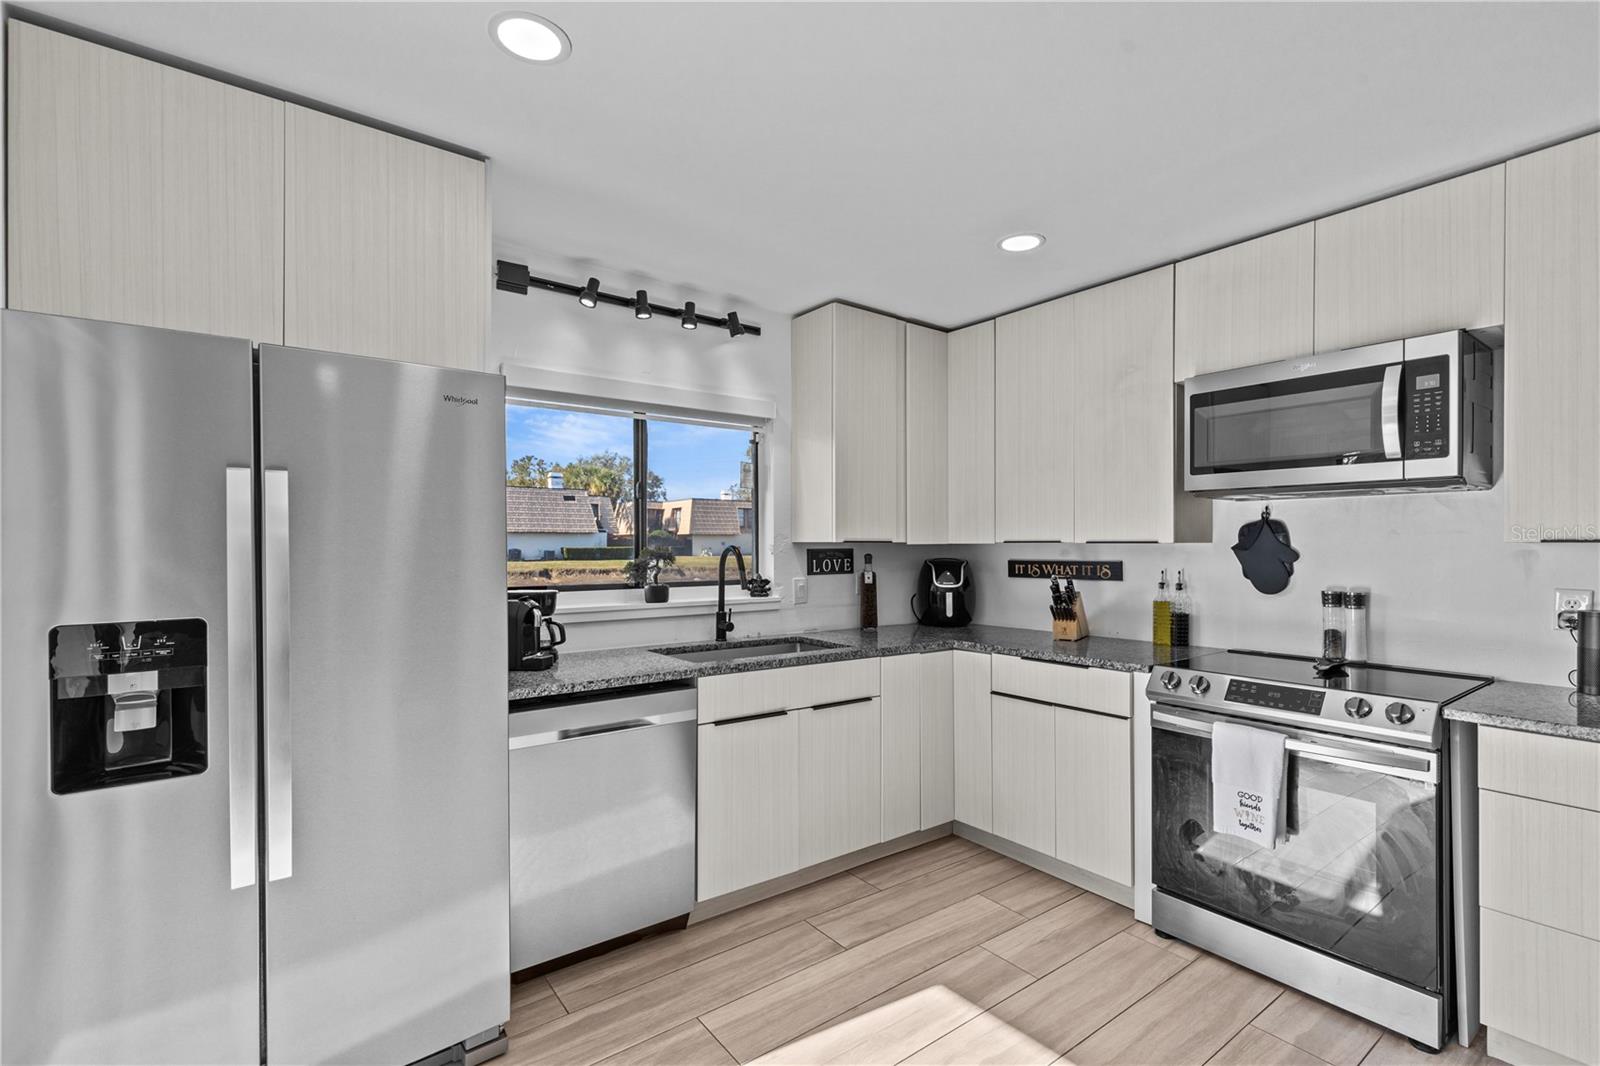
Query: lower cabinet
[936, 719]
[918, 742]
[972, 760]
[1094, 793]
[749, 801]
[840, 779]
[1024, 772]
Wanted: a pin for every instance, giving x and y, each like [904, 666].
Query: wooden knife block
[1076, 629]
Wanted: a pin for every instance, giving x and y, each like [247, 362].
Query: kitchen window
[576, 513]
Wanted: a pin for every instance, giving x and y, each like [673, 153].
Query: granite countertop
[598, 671]
[1553, 710]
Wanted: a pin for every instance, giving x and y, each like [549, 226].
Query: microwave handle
[1391, 411]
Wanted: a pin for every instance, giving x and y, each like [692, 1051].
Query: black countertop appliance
[532, 635]
[944, 594]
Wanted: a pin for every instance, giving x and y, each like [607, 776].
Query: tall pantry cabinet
[137, 192]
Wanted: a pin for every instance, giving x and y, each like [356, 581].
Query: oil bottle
[1182, 610]
[1161, 614]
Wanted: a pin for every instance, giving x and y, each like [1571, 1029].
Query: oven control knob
[1399, 713]
[1170, 681]
[1199, 685]
[1356, 707]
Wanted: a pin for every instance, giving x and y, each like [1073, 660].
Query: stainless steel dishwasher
[602, 818]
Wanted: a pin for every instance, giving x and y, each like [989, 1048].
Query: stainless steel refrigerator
[252, 701]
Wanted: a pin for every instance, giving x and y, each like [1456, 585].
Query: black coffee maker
[531, 633]
[944, 593]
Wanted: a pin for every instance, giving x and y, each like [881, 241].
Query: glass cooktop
[1389, 681]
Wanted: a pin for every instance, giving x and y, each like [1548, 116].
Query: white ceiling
[780, 155]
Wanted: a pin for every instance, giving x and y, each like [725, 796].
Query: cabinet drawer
[1541, 985]
[1540, 861]
[1106, 691]
[786, 688]
[1547, 768]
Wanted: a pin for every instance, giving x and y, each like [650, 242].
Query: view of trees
[608, 474]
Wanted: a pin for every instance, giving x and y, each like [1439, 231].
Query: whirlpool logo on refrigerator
[460, 401]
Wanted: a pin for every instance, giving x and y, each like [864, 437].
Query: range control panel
[1427, 408]
[1278, 697]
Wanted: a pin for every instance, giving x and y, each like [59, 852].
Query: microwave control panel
[1427, 408]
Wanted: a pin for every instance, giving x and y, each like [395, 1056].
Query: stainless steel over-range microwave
[1400, 416]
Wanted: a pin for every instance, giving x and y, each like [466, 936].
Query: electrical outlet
[801, 591]
[1572, 600]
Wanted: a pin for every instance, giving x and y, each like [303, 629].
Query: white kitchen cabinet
[1035, 404]
[1128, 484]
[937, 748]
[848, 401]
[786, 688]
[1552, 343]
[1245, 304]
[927, 441]
[387, 249]
[1089, 688]
[1546, 861]
[1425, 261]
[969, 432]
[1024, 745]
[140, 193]
[904, 690]
[1540, 986]
[840, 779]
[748, 802]
[972, 759]
[1094, 793]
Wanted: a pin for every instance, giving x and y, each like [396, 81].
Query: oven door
[1323, 420]
[1358, 875]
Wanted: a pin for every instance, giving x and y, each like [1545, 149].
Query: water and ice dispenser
[127, 703]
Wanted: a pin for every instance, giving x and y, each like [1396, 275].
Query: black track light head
[735, 327]
[689, 321]
[641, 304]
[590, 296]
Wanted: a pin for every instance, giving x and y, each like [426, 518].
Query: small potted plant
[644, 571]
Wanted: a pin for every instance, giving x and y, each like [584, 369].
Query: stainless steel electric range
[1354, 906]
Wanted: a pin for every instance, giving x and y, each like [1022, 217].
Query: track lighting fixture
[514, 277]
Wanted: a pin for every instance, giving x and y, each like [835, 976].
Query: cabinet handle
[750, 718]
[842, 703]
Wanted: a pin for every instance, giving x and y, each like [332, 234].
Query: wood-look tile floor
[947, 953]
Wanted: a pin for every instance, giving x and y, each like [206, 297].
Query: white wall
[1448, 592]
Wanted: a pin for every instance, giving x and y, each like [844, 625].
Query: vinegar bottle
[1182, 608]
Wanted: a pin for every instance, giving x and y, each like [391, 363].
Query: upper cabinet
[969, 435]
[140, 193]
[1552, 361]
[928, 456]
[848, 416]
[386, 245]
[1245, 304]
[1034, 411]
[1423, 262]
[1128, 486]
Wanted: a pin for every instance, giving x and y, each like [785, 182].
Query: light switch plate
[802, 591]
[1572, 600]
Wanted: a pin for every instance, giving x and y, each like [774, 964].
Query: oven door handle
[1377, 759]
[1391, 411]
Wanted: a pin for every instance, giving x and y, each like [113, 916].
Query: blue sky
[698, 461]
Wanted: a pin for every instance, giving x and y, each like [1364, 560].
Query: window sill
[629, 605]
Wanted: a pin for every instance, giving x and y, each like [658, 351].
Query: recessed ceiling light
[529, 37]
[1021, 242]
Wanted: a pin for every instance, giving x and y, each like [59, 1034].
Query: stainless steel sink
[746, 649]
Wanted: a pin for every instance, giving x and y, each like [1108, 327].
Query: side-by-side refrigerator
[252, 702]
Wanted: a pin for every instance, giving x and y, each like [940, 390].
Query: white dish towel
[1247, 798]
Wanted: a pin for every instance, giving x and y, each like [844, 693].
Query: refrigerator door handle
[241, 678]
[275, 667]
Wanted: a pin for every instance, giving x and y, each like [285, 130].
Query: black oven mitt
[1264, 553]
